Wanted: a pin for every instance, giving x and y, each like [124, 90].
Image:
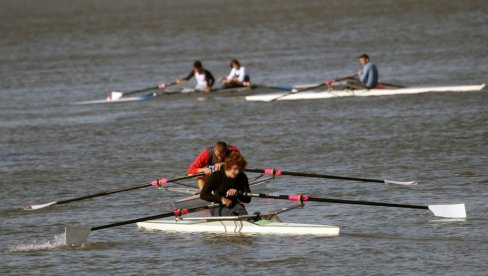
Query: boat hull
[186, 92]
[311, 95]
[239, 227]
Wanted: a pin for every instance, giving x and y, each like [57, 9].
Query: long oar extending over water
[446, 211]
[114, 95]
[77, 234]
[278, 172]
[326, 83]
[157, 182]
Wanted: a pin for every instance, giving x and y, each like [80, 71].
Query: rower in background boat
[204, 78]
[238, 76]
[226, 186]
[367, 77]
[211, 158]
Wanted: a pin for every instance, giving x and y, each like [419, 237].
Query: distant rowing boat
[266, 224]
[310, 95]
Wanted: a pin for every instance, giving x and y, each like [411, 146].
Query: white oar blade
[76, 235]
[40, 206]
[114, 95]
[405, 183]
[449, 211]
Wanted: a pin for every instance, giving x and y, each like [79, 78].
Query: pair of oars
[77, 235]
[274, 172]
[80, 234]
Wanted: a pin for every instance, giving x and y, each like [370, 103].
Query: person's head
[234, 164]
[363, 59]
[221, 150]
[197, 66]
[234, 63]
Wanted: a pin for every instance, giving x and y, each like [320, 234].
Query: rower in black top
[223, 186]
[205, 79]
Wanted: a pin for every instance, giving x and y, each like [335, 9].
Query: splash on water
[59, 241]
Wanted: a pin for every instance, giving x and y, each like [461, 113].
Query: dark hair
[363, 56]
[234, 61]
[222, 147]
[197, 64]
[235, 158]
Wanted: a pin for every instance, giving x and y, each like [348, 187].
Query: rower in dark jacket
[223, 187]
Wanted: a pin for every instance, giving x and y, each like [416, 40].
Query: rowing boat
[256, 223]
[232, 92]
[310, 95]
[266, 224]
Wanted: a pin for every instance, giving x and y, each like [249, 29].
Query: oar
[114, 95]
[392, 85]
[77, 235]
[157, 182]
[326, 83]
[285, 87]
[446, 211]
[278, 172]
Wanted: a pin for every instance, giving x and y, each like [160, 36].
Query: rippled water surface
[54, 53]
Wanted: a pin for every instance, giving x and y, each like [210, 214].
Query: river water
[54, 53]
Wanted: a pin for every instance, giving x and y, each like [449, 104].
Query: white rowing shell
[310, 95]
[236, 226]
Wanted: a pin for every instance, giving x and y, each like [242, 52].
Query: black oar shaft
[324, 84]
[346, 78]
[165, 215]
[333, 200]
[141, 90]
[370, 203]
[123, 190]
[102, 194]
[318, 175]
[146, 89]
[332, 177]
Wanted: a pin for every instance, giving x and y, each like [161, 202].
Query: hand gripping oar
[114, 95]
[278, 172]
[326, 83]
[157, 182]
[446, 211]
[77, 234]
[194, 200]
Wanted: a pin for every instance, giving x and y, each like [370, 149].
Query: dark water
[53, 53]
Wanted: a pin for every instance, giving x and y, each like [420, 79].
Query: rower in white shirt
[238, 76]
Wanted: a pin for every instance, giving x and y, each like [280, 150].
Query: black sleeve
[244, 188]
[210, 78]
[211, 184]
[189, 76]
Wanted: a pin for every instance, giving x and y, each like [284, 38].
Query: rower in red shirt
[210, 159]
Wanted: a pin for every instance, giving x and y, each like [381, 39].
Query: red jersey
[206, 158]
